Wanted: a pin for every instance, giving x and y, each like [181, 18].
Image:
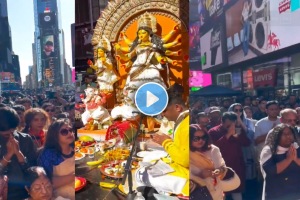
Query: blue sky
[21, 20]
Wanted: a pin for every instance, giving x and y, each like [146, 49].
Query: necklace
[36, 141]
[70, 155]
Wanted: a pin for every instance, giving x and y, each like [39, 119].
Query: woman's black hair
[273, 138]
[9, 118]
[52, 141]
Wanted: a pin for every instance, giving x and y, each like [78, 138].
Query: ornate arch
[119, 14]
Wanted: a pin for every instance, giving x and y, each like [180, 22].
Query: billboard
[259, 27]
[284, 24]
[211, 46]
[51, 70]
[5, 77]
[264, 77]
[199, 79]
[48, 48]
[209, 10]
[83, 46]
[47, 20]
[194, 43]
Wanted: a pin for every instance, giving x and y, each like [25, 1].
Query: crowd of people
[255, 139]
[258, 138]
[37, 146]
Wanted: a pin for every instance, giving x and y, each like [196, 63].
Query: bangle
[8, 161]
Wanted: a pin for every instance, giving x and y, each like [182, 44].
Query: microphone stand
[127, 169]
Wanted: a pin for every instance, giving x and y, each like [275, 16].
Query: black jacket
[16, 171]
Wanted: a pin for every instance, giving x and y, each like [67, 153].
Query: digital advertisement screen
[47, 20]
[259, 27]
[48, 48]
[51, 63]
[83, 46]
[194, 43]
[199, 79]
[208, 10]
[5, 77]
[211, 47]
[284, 24]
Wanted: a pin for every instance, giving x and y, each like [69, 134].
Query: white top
[263, 126]
[215, 155]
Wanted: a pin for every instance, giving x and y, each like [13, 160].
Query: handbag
[230, 181]
[199, 192]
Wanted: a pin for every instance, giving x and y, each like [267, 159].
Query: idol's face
[143, 35]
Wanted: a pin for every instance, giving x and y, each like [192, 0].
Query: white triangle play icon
[151, 99]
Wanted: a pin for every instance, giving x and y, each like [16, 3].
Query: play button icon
[151, 99]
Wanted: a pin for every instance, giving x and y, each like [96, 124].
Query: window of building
[224, 79]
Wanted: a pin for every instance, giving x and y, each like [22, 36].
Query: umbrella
[215, 91]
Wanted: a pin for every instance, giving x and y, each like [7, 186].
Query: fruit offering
[107, 185]
[86, 140]
[117, 154]
[77, 183]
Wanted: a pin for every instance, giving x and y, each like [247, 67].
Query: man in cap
[48, 50]
[214, 114]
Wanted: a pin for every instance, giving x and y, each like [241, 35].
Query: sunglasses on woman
[65, 131]
[50, 110]
[238, 110]
[198, 138]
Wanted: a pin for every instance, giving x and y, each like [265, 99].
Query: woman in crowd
[249, 114]
[58, 158]
[206, 164]
[50, 109]
[17, 153]
[280, 164]
[36, 122]
[39, 186]
[248, 152]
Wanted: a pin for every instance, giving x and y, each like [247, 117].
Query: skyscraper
[9, 62]
[3, 8]
[48, 43]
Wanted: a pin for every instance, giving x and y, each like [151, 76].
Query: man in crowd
[26, 102]
[20, 109]
[88, 82]
[225, 105]
[214, 114]
[17, 153]
[247, 101]
[298, 115]
[264, 125]
[288, 116]
[261, 113]
[292, 102]
[203, 121]
[230, 143]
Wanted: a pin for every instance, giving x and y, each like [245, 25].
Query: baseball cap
[49, 43]
[212, 109]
